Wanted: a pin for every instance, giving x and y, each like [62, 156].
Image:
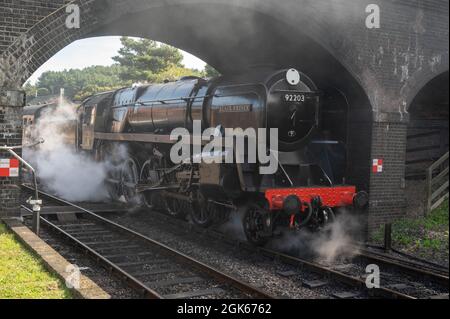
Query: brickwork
[395, 61]
[11, 103]
[387, 188]
[391, 63]
[17, 17]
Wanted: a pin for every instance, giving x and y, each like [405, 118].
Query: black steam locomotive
[140, 119]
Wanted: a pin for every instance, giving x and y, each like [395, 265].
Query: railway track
[378, 253]
[403, 279]
[399, 279]
[155, 270]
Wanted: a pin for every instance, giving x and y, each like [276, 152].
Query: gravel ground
[250, 267]
[413, 285]
[114, 287]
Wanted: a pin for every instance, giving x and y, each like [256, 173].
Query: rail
[437, 183]
[395, 269]
[96, 235]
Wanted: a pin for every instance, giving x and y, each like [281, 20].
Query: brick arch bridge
[380, 70]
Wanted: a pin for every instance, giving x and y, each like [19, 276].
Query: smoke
[337, 240]
[60, 168]
[233, 227]
[332, 243]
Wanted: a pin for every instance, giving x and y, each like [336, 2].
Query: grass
[426, 236]
[22, 275]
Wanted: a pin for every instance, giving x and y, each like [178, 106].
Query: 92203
[294, 98]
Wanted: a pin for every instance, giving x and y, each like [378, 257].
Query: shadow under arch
[421, 79]
[427, 138]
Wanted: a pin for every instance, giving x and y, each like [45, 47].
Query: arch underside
[428, 126]
[229, 37]
[427, 138]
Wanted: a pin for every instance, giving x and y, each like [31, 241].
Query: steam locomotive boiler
[131, 129]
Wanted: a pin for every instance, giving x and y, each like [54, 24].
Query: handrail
[436, 197]
[439, 162]
[36, 203]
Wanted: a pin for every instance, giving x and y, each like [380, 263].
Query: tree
[211, 72]
[174, 73]
[143, 59]
[138, 61]
[78, 84]
[30, 90]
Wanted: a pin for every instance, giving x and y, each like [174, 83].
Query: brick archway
[248, 34]
[287, 35]
[423, 78]
[380, 70]
[427, 138]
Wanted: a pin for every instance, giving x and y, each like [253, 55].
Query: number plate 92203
[294, 98]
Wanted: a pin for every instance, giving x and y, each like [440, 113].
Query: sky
[95, 51]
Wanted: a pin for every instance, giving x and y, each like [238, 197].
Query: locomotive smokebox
[293, 106]
[286, 100]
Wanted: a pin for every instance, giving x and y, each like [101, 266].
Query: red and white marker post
[9, 167]
[377, 166]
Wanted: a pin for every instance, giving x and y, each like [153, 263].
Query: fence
[437, 183]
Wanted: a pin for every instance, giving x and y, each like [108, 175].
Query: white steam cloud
[63, 171]
[337, 240]
[332, 243]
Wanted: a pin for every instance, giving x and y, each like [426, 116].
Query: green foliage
[94, 89]
[30, 90]
[78, 83]
[426, 233]
[174, 73]
[438, 218]
[22, 275]
[210, 72]
[142, 60]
